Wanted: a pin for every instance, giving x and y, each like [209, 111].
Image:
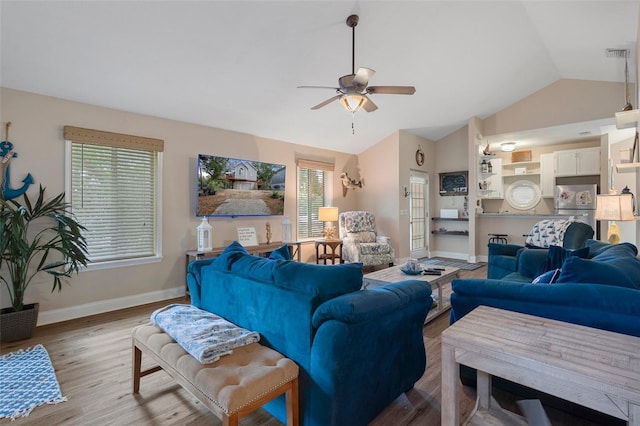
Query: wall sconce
[612, 208]
[328, 215]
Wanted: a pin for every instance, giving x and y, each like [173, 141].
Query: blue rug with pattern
[465, 266]
[27, 380]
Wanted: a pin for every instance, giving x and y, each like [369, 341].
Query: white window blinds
[313, 191]
[114, 194]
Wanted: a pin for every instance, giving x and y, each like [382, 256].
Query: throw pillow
[282, 253]
[557, 255]
[623, 271]
[548, 277]
[229, 255]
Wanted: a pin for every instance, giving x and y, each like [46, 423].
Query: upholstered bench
[231, 387]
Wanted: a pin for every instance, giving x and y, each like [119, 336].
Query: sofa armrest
[193, 279]
[607, 307]
[368, 350]
[368, 305]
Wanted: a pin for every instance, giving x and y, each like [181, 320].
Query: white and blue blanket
[204, 335]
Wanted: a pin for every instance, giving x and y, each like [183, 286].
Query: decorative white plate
[523, 195]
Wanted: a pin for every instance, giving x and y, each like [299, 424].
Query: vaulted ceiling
[236, 64]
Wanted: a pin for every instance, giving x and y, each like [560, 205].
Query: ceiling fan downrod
[352, 22]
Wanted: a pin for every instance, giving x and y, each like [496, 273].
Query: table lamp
[328, 215]
[614, 207]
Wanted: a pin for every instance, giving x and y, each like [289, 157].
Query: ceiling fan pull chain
[353, 126]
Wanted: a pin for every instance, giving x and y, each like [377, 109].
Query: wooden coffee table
[441, 283]
[595, 368]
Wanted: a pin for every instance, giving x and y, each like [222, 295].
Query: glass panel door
[418, 208]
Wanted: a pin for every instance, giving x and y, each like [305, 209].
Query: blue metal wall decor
[6, 155]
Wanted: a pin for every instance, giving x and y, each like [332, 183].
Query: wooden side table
[325, 255]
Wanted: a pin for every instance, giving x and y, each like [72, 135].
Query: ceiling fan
[353, 88]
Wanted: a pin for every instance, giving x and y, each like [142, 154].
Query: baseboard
[450, 255]
[73, 312]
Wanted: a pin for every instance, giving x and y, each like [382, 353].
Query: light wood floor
[92, 358]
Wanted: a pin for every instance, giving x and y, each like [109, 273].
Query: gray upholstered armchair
[361, 242]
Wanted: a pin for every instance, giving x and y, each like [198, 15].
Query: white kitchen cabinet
[547, 176]
[577, 162]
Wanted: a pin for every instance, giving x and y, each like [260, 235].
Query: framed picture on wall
[454, 183]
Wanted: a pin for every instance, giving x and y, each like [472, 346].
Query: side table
[325, 255]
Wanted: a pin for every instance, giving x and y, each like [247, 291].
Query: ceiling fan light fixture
[353, 102]
[508, 146]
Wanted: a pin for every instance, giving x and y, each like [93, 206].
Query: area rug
[27, 380]
[456, 264]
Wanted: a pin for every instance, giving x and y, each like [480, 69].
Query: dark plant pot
[18, 325]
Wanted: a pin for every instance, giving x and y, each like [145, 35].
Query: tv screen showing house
[235, 187]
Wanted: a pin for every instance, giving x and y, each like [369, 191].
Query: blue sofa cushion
[281, 253]
[556, 256]
[615, 265]
[595, 246]
[325, 281]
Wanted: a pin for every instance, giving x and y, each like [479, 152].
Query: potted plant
[40, 237]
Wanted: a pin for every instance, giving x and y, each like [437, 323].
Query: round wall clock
[419, 156]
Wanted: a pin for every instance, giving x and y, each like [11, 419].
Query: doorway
[418, 216]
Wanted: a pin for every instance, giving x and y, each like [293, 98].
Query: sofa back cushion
[615, 264]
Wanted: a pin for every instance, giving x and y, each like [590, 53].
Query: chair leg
[136, 364]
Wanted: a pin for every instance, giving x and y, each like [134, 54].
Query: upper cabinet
[547, 177]
[577, 162]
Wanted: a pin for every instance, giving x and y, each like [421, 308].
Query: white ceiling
[236, 64]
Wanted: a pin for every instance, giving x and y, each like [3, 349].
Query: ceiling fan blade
[369, 106]
[317, 87]
[362, 76]
[328, 101]
[392, 90]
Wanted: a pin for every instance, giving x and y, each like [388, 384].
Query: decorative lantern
[286, 230]
[204, 235]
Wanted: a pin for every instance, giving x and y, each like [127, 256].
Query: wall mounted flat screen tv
[234, 187]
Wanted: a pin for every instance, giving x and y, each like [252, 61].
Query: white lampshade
[353, 102]
[612, 208]
[328, 214]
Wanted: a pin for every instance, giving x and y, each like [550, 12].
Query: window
[314, 191]
[114, 190]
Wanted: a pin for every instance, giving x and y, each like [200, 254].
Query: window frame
[119, 263]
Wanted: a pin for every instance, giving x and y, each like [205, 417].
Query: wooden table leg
[450, 377]
[484, 390]
[634, 415]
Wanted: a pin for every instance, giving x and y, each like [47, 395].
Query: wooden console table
[595, 368]
[259, 250]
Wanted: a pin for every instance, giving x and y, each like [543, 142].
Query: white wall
[37, 133]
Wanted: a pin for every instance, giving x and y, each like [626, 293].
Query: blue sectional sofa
[596, 286]
[358, 350]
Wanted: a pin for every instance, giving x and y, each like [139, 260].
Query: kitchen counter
[525, 215]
